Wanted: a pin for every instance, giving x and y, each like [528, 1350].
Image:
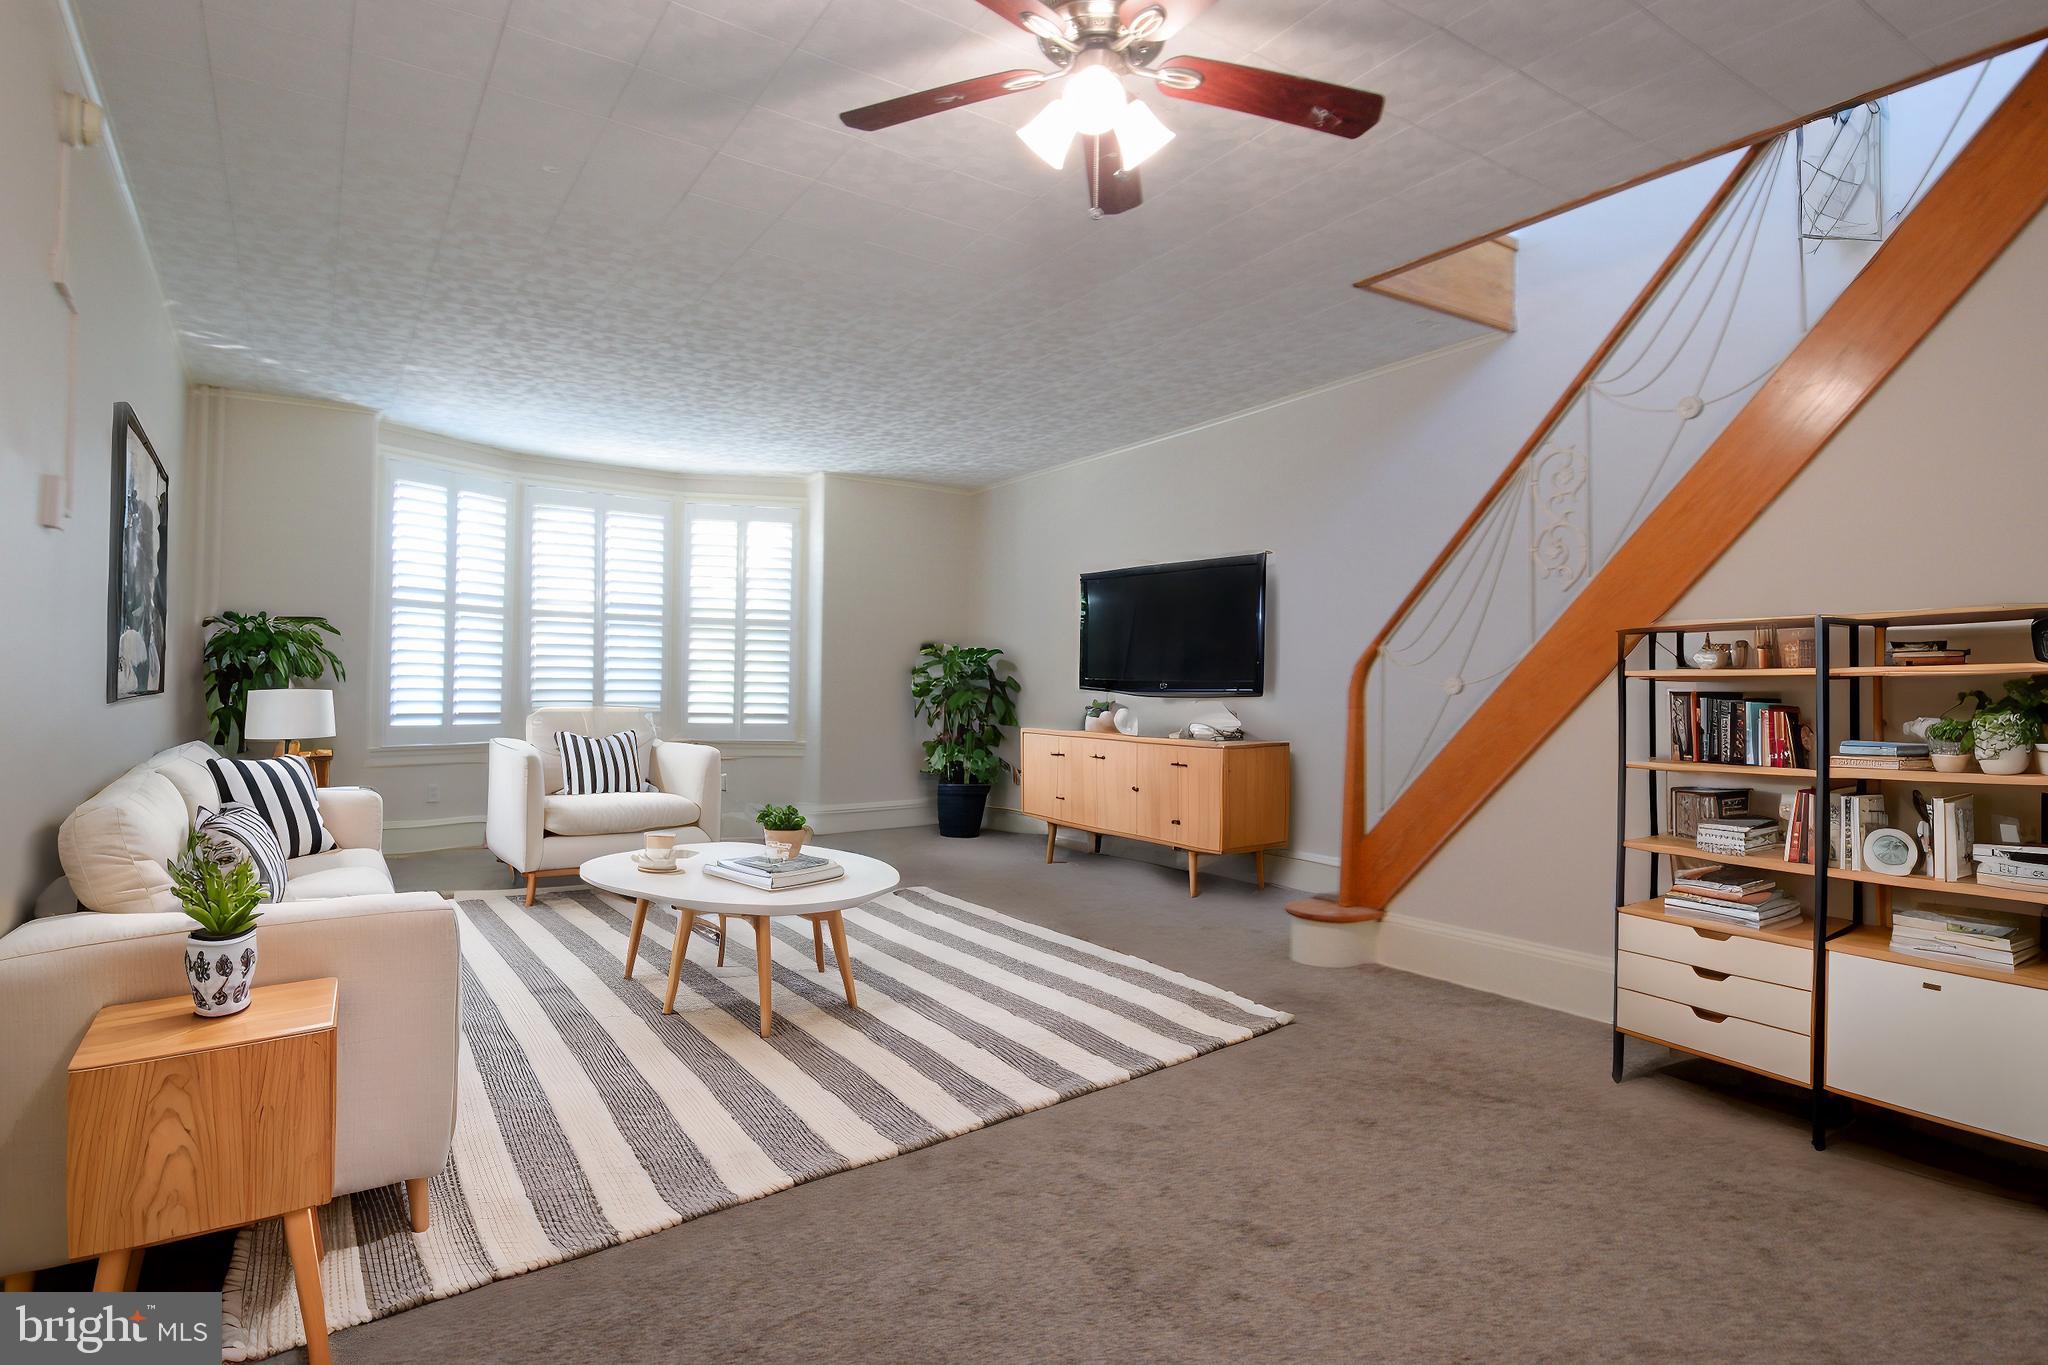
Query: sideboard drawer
[1722, 952]
[1777, 1051]
[1949, 1046]
[1779, 1006]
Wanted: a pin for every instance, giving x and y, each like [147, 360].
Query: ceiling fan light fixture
[1050, 133]
[1038, 26]
[1147, 22]
[1139, 134]
[1094, 98]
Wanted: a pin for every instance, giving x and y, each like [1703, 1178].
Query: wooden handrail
[1349, 875]
[1989, 194]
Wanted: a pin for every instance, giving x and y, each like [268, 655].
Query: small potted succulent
[220, 955]
[785, 830]
[1949, 741]
[2004, 731]
[1101, 716]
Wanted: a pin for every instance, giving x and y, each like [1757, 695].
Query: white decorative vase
[2041, 758]
[221, 972]
[1957, 762]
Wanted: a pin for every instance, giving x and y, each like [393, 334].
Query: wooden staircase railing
[1986, 198]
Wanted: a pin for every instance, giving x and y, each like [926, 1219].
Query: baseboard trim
[433, 836]
[1556, 978]
[1315, 873]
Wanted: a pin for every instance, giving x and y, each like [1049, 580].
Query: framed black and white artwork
[138, 575]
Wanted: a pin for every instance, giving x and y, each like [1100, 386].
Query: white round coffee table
[694, 892]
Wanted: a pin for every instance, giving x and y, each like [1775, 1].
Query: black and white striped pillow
[591, 765]
[281, 790]
[237, 834]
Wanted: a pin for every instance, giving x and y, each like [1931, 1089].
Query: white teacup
[660, 850]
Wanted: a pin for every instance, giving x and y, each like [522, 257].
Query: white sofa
[536, 830]
[395, 955]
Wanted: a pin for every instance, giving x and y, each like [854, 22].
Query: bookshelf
[1879, 1022]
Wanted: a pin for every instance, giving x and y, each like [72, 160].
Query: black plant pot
[961, 805]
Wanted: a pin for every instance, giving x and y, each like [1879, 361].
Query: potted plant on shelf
[1949, 742]
[255, 651]
[2004, 731]
[1101, 716]
[220, 955]
[963, 694]
[784, 829]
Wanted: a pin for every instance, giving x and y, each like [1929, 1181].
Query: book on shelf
[1914, 658]
[1973, 924]
[1722, 727]
[1852, 818]
[1884, 748]
[2021, 865]
[1686, 807]
[1712, 879]
[1795, 815]
[1963, 952]
[1749, 834]
[1953, 822]
[2017, 853]
[766, 874]
[1774, 911]
[1898, 763]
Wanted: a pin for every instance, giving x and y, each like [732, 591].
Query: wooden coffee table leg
[633, 939]
[721, 940]
[838, 923]
[299, 1240]
[111, 1273]
[818, 940]
[686, 920]
[134, 1280]
[765, 966]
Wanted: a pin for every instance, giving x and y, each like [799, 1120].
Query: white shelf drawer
[1953, 1047]
[1778, 1051]
[1759, 1001]
[1780, 963]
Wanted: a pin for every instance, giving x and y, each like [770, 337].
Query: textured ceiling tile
[427, 34]
[761, 188]
[1951, 36]
[542, 69]
[1611, 59]
[1343, 37]
[618, 29]
[676, 109]
[270, 56]
[632, 179]
[1700, 105]
[785, 20]
[810, 88]
[1498, 113]
[712, 55]
[406, 94]
[1715, 26]
[169, 30]
[1519, 32]
[1434, 73]
[1560, 154]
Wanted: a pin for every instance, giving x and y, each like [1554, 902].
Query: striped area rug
[585, 1117]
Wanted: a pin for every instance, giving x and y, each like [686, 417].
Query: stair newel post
[1822, 746]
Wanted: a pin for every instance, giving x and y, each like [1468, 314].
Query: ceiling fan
[1093, 45]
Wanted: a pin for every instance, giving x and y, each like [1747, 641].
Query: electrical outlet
[433, 793]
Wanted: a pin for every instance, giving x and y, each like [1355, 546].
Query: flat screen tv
[1196, 628]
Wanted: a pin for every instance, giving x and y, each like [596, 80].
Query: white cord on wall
[80, 127]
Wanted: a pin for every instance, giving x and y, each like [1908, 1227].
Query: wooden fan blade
[1269, 94]
[1179, 14]
[904, 108]
[1111, 188]
[1015, 10]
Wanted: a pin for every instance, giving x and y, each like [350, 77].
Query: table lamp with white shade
[289, 715]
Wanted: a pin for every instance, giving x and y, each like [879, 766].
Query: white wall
[1353, 488]
[1949, 454]
[63, 739]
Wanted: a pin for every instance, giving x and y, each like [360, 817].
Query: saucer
[656, 868]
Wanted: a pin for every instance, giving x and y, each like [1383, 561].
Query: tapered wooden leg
[21, 1282]
[721, 940]
[298, 1239]
[837, 922]
[1052, 832]
[686, 920]
[1194, 887]
[416, 1201]
[818, 941]
[111, 1273]
[633, 939]
[765, 969]
[532, 886]
[1259, 867]
[134, 1279]
[319, 1238]
[1098, 844]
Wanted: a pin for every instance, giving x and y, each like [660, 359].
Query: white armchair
[536, 830]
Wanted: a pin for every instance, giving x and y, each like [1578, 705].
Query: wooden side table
[180, 1125]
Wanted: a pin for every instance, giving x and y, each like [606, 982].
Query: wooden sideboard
[1199, 796]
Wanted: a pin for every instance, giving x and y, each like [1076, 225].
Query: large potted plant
[962, 692]
[258, 651]
[2004, 731]
[220, 953]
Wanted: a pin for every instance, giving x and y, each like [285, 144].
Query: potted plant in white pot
[784, 830]
[1949, 742]
[220, 955]
[2004, 731]
[963, 694]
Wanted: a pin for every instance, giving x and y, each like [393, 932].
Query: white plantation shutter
[445, 589]
[739, 621]
[597, 599]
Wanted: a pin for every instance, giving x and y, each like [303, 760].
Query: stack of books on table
[1742, 834]
[1723, 895]
[1898, 755]
[2022, 865]
[1982, 938]
[769, 875]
